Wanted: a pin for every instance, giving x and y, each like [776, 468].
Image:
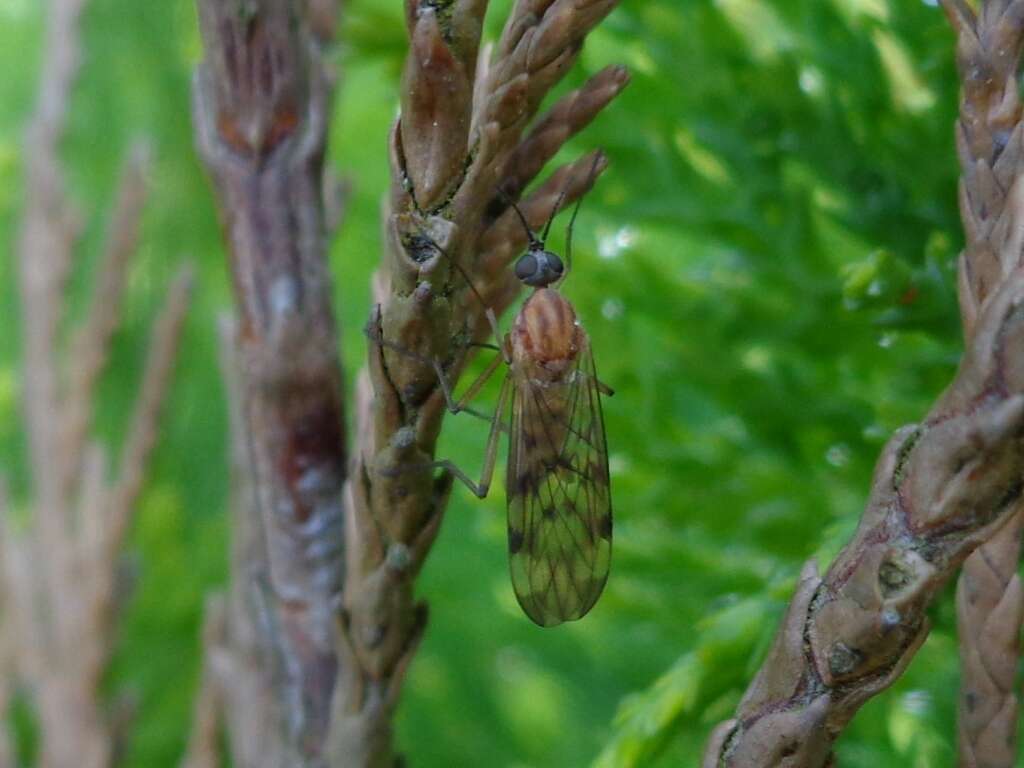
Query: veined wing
[559, 502]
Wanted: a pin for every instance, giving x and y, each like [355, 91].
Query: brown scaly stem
[262, 101]
[989, 597]
[989, 607]
[460, 136]
[941, 488]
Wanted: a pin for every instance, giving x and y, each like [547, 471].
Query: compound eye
[526, 267]
[554, 263]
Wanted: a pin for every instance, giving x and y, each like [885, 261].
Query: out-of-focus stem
[60, 569]
[261, 105]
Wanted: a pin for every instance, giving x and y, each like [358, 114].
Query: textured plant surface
[461, 135]
[940, 489]
[262, 102]
[767, 270]
[990, 604]
[334, 601]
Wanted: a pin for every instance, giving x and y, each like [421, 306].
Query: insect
[557, 479]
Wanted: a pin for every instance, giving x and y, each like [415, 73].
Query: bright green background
[766, 271]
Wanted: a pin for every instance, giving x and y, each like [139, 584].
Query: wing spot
[606, 527]
[515, 541]
[525, 483]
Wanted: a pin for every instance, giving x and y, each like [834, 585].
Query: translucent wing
[559, 503]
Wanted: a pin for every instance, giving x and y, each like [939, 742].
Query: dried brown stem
[262, 139]
[460, 135]
[571, 114]
[989, 599]
[261, 103]
[989, 136]
[941, 488]
[990, 605]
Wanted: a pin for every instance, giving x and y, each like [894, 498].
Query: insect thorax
[546, 333]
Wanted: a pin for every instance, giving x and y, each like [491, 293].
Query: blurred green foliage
[767, 271]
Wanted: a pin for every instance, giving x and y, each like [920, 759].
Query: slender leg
[603, 388]
[473, 390]
[462, 405]
[490, 453]
[493, 322]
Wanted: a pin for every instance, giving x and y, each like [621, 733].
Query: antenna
[522, 218]
[576, 209]
[556, 206]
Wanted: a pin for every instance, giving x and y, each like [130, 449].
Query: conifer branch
[989, 135]
[464, 131]
[60, 575]
[941, 488]
[262, 99]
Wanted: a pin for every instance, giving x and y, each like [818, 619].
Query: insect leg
[490, 453]
[474, 388]
[603, 388]
[493, 322]
[374, 333]
[462, 404]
